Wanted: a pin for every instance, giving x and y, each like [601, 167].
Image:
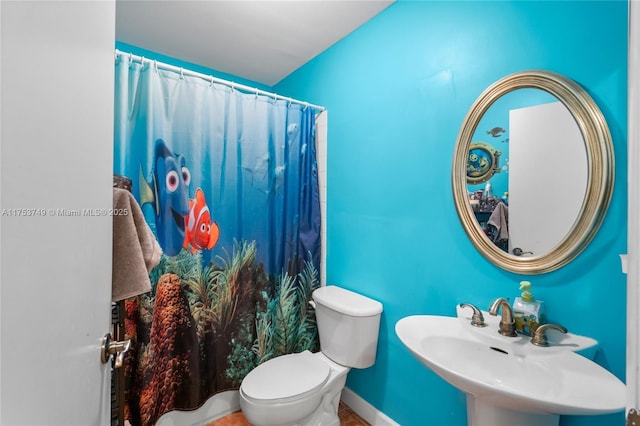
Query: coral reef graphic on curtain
[228, 183]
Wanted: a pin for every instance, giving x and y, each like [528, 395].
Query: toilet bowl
[304, 389]
[294, 389]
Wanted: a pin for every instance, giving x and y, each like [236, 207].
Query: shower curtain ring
[210, 81]
[181, 73]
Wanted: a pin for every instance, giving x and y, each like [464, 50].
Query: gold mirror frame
[600, 168]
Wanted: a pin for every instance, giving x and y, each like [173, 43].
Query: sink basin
[507, 379]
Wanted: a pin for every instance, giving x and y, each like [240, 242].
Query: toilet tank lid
[346, 301]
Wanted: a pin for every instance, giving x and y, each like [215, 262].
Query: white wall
[56, 120]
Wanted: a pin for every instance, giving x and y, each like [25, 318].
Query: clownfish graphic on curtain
[200, 232]
[180, 222]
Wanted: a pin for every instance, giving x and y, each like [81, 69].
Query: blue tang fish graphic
[168, 192]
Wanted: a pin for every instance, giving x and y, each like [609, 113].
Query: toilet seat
[285, 378]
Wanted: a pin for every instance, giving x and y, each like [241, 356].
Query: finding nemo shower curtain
[227, 181]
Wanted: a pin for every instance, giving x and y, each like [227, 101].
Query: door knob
[519, 252]
[108, 347]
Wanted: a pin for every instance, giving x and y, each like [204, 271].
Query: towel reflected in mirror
[498, 226]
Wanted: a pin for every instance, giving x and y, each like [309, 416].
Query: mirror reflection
[533, 171]
[527, 172]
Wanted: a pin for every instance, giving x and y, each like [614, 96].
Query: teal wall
[397, 90]
[145, 53]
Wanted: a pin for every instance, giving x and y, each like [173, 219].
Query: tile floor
[347, 418]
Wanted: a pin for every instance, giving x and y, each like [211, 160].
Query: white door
[633, 244]
[56, 121]
[547, 176]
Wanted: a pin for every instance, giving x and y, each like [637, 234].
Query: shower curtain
[228, 183]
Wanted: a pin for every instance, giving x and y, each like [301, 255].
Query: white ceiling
[262, 41]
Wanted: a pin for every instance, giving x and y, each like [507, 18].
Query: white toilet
[304, 388]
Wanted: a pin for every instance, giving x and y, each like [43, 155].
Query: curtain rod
[213, 79]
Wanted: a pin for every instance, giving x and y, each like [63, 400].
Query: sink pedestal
[480, 413]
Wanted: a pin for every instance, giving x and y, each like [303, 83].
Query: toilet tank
[348, 326]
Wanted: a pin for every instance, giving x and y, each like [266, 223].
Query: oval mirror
[533, 171]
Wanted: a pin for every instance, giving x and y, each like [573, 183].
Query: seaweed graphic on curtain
[229, 311]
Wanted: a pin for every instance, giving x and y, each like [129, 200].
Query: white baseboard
[366, 410]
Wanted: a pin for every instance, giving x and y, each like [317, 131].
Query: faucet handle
[477, 319]
[540, 335]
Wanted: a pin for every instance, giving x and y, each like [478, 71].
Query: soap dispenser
[528, 313]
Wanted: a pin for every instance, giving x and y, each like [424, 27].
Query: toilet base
[325, 414]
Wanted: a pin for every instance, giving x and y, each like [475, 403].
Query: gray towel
[135, 249]
[500, 220]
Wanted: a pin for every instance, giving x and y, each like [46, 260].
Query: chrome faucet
[540, 335]
[477, 319]
[507, 326]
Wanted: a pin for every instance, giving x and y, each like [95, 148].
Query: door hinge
[633, 418]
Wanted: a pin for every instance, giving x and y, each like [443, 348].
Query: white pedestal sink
[509, 381]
